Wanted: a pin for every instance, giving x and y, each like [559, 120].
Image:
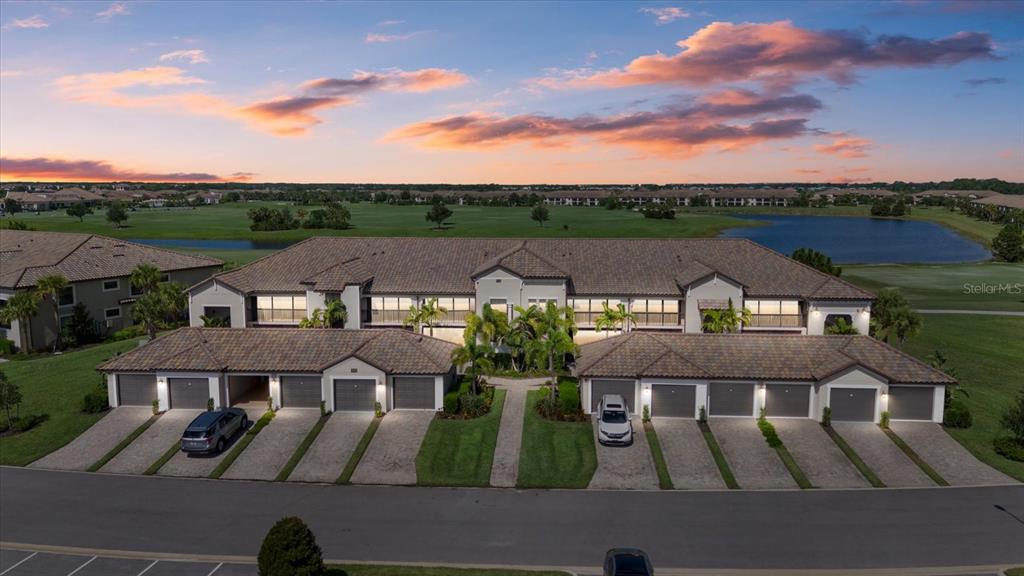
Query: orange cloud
[776, 52]
[845, 146]
[25, 169]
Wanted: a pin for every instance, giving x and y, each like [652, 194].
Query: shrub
[568, 399]
[209, 404]
[769, 433]
[826, 416]
[885, 419]
[95, 401]
[156, 407]
[323, 408]
[28, 422]
[647, 413]
[378, 410]
[702, 416]
[7, 347]
[133, 331]
[1008, 447]
[473, 405]
[957, 415]
[451, 403]
[290, 549]
[1013, 419]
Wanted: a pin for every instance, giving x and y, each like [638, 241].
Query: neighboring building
[1002, 202]
[972, 194]
[347, 370]
[42, 200]
[736, 375]
[665, 283]
[97, 269]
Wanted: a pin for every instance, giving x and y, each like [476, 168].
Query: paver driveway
[625, 467]
[822, 461]
[391, 456]
[689, 461]
[201, 465]
[754, 463]
[94, 443]
[951, 460]
[270, 450]
[882, 455]
[138, 456]
[330, 452]
[505, 468]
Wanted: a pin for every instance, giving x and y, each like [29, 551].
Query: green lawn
[946, 286]
[232, 258]
[460, 452]
[55, 386]
[229, 222]
[983, 351]
[383, 570]
[555, 454]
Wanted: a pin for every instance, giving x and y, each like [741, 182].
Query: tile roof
[284, 350]
[749, 357]
[594, 266]
[1005, 200]
[27, 256]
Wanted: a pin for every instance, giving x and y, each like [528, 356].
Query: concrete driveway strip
[151, 444]
[505, 468]
[201, 465]
[882, 455]
[272, 447]
[755, 464]
[687, 456]
[818, 456]
[391, 456]
[332, 448]
[625, 467]
[947, 456]
[95, 442]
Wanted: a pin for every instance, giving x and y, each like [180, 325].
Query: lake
[197, 244]
[859, 240]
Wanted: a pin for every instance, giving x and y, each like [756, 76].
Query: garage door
[728, 399]
[853, 404]
[352, 395]
[787, 400]
[136, 389]
[625, 388]
[673, 400]
[300, 391]
[413, 392]
[188, 392]
[911, 402]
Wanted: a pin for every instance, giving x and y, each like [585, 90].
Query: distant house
[42, 200]
[1002, 202]
[207, 197]
[972, 194]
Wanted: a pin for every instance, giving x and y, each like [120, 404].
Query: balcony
[451, 318]
[776, 321]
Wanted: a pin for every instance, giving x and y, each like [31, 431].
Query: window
[655, 312]
[67, 296]
[586, 310]
[774, 313]
[541, 303]
[284, 309]
[456, 309]
[499, 305]
[2, 323]
[389, 309]
[111, 313]
[111, 285]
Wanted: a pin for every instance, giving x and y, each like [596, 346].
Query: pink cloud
[115, 9]
[20, 169]
[845, 146]
[191, 56]
[666, 15]
[32, 22]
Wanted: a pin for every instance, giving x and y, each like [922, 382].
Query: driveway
[950, 459]
[138, 456]
[270, 450]
[754, 463]
[330, 452]
[505, 468]
[391, 456]
[625, 467]
[201, 465]
[818, 456]
[882, 455]
[94, 443]
[687, 456]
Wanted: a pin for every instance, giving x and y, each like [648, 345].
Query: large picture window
[655, 312]
[389, 309]
[774, 313]
[283, 309]
[456, 309]
[586, 310]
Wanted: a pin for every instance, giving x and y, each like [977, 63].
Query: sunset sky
[512, 92]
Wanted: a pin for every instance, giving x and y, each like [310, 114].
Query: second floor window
[586, 310]
[389, 309]
[289, 309]
[774, 313]
[655, 312]
[67, 296]
[457, 308]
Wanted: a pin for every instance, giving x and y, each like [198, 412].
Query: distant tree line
[333, 216]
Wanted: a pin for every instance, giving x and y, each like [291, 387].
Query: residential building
[42, 200]
[97, 269]
[666, 283]
[1002, 202]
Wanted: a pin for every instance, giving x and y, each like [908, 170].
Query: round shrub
[473, 405]
[451, 403]
[1008, 447]
[957, 415]
[290, 549]
[95, 402]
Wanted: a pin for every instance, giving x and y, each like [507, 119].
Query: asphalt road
[820, 529]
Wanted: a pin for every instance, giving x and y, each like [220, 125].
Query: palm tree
[149, 310]
[725, 321]
[21, 307]
[427, 314]
[314, 320]
[841, 327]
[335, 315]
[50, 287]
[522, 331]
[145, 277]
[477, 355]
[613, 318]
[554, 340]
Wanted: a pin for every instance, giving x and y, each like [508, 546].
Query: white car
[613, 424]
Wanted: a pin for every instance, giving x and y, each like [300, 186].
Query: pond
[859, 240]
[196, 244]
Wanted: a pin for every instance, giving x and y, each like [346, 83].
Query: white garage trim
[856, 377]
[585, 393]
[223, 400]
[811, 399]
[163, 394]
[701, 396]
[758, 398]
[938, 402]
[356, 369]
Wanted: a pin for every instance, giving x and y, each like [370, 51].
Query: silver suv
[212, 430]
[613, 424]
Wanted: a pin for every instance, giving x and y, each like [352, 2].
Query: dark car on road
[627, 562]
[212, 430]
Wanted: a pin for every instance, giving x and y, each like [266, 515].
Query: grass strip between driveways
[385, 570]
[720, 461]
[664, 479]
[924, 466]
[301, 450]
[242, 444]
[156, 466]
[122, 445]
[855, 458]
[357, 455]
[773, 440]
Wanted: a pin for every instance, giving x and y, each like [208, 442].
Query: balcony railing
[451, 318]
[776, 321]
